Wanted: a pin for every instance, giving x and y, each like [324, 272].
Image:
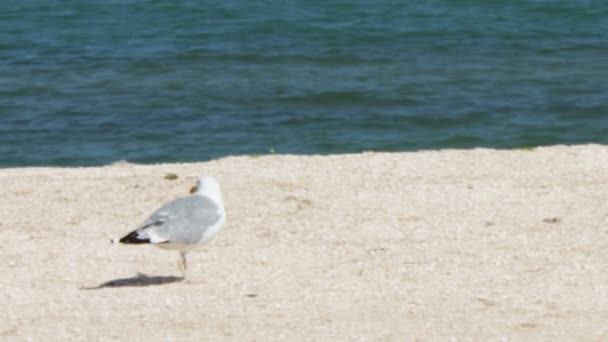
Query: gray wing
[183, 220]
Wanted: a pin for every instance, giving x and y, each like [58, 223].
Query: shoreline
[476, 244]
[443, 150]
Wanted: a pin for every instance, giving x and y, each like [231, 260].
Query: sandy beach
[455, 245]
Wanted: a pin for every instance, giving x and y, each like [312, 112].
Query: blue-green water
[92, 82]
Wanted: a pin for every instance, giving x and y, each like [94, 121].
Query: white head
[209, 187]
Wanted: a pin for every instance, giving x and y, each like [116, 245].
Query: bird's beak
[193, 189]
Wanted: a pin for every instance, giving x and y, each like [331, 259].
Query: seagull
[184, 224]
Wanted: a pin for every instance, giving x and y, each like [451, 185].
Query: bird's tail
[134, 237]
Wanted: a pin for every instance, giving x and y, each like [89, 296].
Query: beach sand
[455, 245]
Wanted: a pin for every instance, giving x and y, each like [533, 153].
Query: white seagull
[184, 224]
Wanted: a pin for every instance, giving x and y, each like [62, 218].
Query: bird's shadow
[138, 280]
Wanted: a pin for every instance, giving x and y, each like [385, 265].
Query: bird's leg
[181, 264]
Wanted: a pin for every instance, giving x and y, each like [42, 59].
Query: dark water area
[85, 83]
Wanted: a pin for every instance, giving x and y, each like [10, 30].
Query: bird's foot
[182, 265]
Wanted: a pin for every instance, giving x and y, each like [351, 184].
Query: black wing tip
[132, 237]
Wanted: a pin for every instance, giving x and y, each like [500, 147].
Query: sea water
[94, 82]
